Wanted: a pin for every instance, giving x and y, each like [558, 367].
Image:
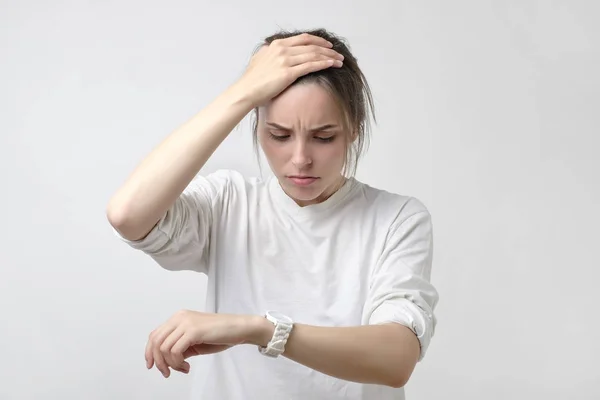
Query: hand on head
[277, 65]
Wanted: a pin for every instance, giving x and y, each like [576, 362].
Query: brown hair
[349, 88]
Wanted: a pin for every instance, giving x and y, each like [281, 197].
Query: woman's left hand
[192, 333]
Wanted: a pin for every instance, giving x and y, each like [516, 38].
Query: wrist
[260, 330]
[240, 96]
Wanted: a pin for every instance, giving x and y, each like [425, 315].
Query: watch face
[279, 316]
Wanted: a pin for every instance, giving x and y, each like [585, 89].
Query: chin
[305, 195]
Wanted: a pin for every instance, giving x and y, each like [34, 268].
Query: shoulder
[225, 184]
[225, 179]
[398, 206]
[223, 176]
[403, 220]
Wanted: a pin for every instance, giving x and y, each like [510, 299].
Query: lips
[302, 180]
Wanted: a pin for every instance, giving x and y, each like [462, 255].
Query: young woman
[318, 284]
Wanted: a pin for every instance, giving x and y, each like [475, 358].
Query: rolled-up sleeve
[180, 239]
[400, 289]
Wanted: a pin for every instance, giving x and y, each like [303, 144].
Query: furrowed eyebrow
[321, 128]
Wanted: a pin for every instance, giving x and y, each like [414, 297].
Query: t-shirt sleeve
[400, 289]
[180, 240]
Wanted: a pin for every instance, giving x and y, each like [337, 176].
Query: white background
[488, 111]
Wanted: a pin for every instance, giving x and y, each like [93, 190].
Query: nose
[301, 157]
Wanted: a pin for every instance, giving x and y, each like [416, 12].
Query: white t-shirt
[363, 256]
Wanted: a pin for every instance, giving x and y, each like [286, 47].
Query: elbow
[397, 380]
[398, 383]
[402, 357]
[398, 372]
[120, 219]
[116, 215]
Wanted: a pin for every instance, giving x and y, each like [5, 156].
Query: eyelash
[283, 138]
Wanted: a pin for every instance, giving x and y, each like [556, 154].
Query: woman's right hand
[276, 66]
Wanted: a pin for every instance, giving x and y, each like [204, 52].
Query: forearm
[163, 175]
[379, 354]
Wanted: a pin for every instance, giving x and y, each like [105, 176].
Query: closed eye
[280, 138]
[284, 137]
[326, 139]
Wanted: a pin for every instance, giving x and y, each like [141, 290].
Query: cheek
[273, 150]
[335, 154]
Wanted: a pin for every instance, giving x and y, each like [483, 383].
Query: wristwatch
[283, 328]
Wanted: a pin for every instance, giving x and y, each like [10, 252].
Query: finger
[184, 368]
[153, 340]
[173, 357]
[148, 352]
[160, 362]
[312, 66]
[157, 340]
[330, 53]
[180, 347]
[204, 349]
[308, 57]
[303, 39]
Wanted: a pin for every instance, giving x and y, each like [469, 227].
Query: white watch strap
[276, 345]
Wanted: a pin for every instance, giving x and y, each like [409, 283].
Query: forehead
[306, 102]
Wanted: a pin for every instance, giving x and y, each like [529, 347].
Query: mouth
[301, 180]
